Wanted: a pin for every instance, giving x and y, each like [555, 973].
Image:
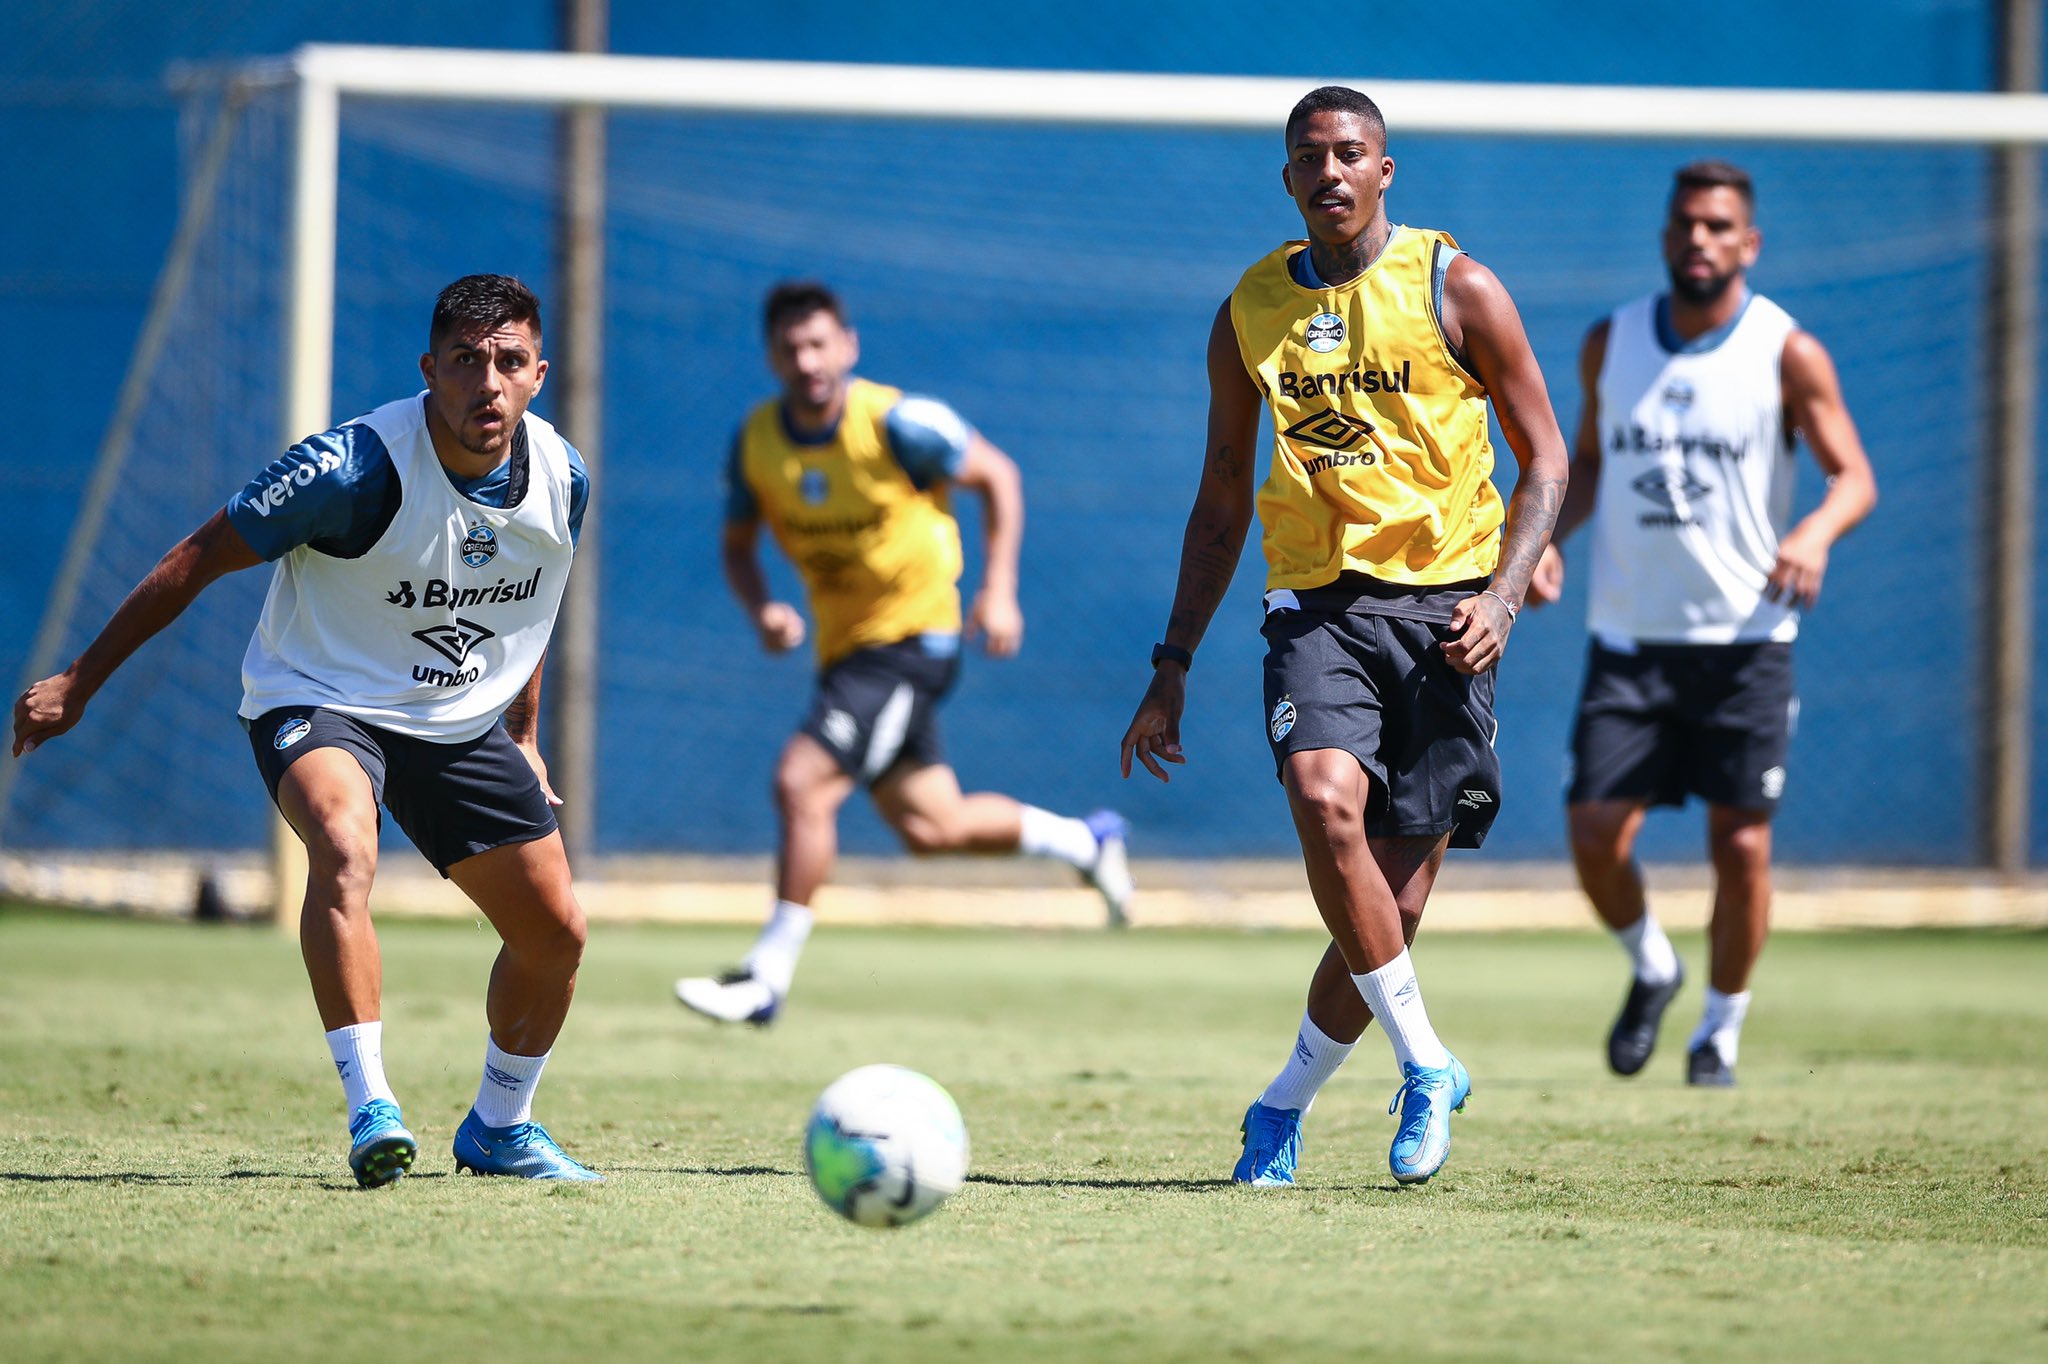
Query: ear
[1386, 172]
[852, 347]
[1287, 178]
[427, 367]
[1752, 245]
[540, 375]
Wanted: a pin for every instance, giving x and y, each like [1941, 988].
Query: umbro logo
[453, 642]
[1330, 429]
[504, 1079]
[1474, 798]
[1669, 487]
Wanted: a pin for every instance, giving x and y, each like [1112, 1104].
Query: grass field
[172, 1182]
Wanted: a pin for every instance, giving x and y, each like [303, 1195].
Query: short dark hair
[1338, 99]
[793, 300]
[1715, 175]
[482, 302]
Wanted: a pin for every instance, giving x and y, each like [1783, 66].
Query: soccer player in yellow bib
[853, 480]
[1393, 576]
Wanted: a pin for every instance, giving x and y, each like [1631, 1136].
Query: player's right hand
[1546, 584]
[1154, 735]
[781, 627]
[44, 711]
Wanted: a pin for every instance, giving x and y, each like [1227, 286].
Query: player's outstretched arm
[1546, 585]
[780, 625]
[995, 613]
[1481, 321]
[55, 704]
[1209, 549]
[1814, 407]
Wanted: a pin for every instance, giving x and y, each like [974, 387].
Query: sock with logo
[1656, 961]
[1721, 1023]
[774, 954]
[1395, 997]
[1313, 1061]
[506, 1095]
[1045, 834]
[358, 1052]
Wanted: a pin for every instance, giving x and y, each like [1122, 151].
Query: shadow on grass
[149, 1177]
[1082, 1182]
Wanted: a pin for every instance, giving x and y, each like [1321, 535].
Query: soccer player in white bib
[1694, 400]
[420, 555]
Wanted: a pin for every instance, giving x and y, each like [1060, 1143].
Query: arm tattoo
[1532, 512]
[1209, 552]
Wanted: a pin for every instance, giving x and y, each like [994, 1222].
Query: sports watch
[1172, 653]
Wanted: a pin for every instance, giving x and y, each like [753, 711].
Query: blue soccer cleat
[1425, 1100]
[524, 1150]
[380, 1149]
[1272, 1147]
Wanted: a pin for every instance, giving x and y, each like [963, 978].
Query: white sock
[358, 1052]
[1045, 834]
[1721, 1021]
[505, 1096]
[1656, 961]
[1310, 1065]
[1395, 996]
[773, 956]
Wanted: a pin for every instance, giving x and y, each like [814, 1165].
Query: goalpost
[325, 82]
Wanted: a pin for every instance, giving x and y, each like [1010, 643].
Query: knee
[1745, 845]
[1597, 837]
[798, 794]
[1338, 807]
[557, 949]
[341, 859]
[923, 836]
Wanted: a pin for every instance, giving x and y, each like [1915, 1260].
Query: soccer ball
[885, 1146]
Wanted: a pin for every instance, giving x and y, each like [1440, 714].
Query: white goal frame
[320, 76]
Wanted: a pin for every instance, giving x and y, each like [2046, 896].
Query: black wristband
[1172, 653]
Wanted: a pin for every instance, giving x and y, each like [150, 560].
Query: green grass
[172, 1182]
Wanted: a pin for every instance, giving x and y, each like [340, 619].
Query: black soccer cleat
[1634, 1035]
[1704, 1066]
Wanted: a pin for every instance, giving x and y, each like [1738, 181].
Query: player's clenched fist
[781, 627]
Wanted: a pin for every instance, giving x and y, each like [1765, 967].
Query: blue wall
[1019, 274]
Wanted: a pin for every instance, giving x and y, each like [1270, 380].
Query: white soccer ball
[885, 1146]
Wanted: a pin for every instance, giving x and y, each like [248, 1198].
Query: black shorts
[452, 800]
[878, 708]
[1672, 720]
[1380, 688]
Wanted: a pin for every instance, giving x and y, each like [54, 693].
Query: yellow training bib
[879, 556]
[1381, 461]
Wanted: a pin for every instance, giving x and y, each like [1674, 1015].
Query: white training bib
[433, 630]
[1696, 480]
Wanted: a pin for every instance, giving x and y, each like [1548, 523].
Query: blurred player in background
[854, 480]
[1392, 586]
[1684, 463]
[421, 552]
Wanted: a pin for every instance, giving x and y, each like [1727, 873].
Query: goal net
[1045, 252]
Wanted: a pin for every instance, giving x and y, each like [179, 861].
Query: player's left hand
[999, 621]
[1796, 576]
[1479, 630]
[530, 750]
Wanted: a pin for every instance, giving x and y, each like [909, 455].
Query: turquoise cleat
[1426, 1100]
[1272, 1147]
[381, 1150]
[523, 1150]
